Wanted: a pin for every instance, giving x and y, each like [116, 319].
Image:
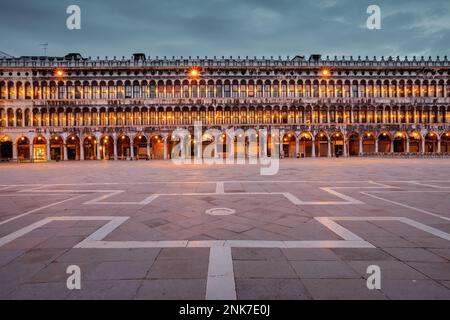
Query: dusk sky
[226, 27]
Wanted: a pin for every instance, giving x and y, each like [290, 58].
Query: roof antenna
[44, 47]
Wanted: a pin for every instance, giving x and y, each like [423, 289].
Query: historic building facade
[75, 108]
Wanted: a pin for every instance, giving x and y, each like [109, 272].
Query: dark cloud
[226, 27]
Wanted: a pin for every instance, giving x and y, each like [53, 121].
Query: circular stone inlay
[220, 211]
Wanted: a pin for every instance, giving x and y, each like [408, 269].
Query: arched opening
[445, 143]
[431, 142]
[56, 148]
[337, 144]
[23, 149]
[123, 147]
[305, 145]
[73, 148]
[6, 148]
[107, 148]
[157, 147]
[140, 147]
[400, 142]
[415, 141]
[321, 145]
[289, 145]
[384, 142]
[368, 142]
[39, 149]
[353, 144]
[90, 148]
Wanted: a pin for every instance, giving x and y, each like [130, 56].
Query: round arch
[73, 147]
[39, 148]
[289, 145]
[368, 143]
[305, 147]
[6, 148]
[384, 142]
[431, 142]
[321, 144]
[123, 147]
[90, 148]
[140, 146]
[445, 142]
[107, 148]
[56, 148]
[23, 148]
[415, 142]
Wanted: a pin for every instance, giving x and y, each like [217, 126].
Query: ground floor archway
[56, 148]
[73, 148]
[384, 142]
[90, 148]
[368, 143]
[305, 146]
[321, 145]
[289, 145]
[415, 142]
[445, 143]
[140, 147]
[6, 148]
[39, 149]
[107, 148]
[431, 142]
[353, 145]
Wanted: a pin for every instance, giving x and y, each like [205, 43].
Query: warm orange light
[325, 72]
[59, 73]
[194, 73]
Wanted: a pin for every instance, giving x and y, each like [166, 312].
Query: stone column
[313, 153]
[376, 145]
[329, 148]
[14, 150]
[48, 150]
[423, 145]
[361, 153]
[131, 150]
[165, 148]
[97, 143]
[65, 152]
[392, 146]
[297, 147]
[31, 150]
[439, 146]
[115, 149]
[81, 150]
[344, 146]
[407, 145]
[148, 149]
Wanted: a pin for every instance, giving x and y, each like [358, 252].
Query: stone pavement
[139, 230]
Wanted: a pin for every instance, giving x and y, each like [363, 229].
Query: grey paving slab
[415, 289]
[280, 289]
[324, 270]
[263, 269]
[178, 269]
[172, 289]
[341, 289]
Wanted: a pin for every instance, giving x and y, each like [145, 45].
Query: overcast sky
[226, 27]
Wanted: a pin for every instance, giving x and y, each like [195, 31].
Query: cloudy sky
[226, 27]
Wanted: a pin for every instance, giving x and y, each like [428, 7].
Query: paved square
[155, 230]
